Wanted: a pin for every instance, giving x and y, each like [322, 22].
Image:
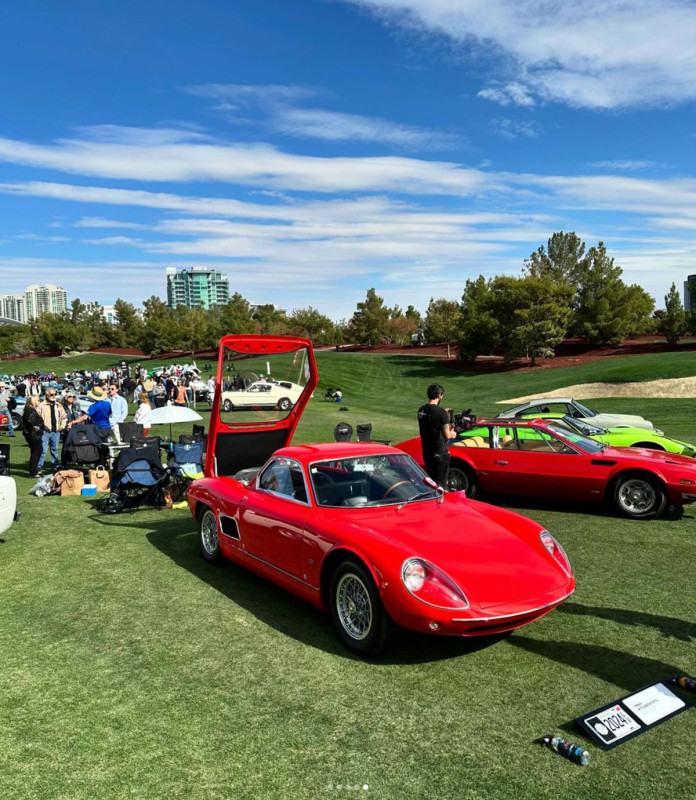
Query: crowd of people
[52, 407]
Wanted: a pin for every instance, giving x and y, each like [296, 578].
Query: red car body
[358, 529]
[639, 482]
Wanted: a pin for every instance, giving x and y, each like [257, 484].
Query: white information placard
[653, 704]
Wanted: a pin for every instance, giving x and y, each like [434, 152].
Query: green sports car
[629, 437]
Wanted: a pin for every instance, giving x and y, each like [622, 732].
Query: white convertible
[262, 394]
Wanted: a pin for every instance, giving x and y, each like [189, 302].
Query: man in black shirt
[435, 431]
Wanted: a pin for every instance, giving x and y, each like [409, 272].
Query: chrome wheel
[636, 496]
[639, 496]
[284, 403]
[227, 405]
[353, 606]
[209, 535]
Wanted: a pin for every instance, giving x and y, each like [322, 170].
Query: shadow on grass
[514, 503]
[289, 615]
[668, 626]
[626, 670]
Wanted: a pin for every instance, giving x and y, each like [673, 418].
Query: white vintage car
[262, 394]
[8, 502]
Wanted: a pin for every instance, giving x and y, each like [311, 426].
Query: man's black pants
[437, 466]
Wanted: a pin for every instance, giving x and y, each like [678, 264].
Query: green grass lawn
[130, 668]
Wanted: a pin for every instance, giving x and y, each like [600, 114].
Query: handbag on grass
[68, 482]
[100, 478]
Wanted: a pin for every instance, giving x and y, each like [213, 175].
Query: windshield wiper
[419, 496]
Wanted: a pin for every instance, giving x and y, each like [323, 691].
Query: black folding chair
[365, 434]
[343, 432]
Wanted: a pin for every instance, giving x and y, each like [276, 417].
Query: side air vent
[603, 462]
[229, 527]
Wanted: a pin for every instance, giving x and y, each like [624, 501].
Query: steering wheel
[394, 485]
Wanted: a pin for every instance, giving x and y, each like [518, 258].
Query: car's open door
[246, 437]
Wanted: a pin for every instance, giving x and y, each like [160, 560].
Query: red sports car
[358, 528]
[543, 458]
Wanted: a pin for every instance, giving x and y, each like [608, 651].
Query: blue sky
[313, 149]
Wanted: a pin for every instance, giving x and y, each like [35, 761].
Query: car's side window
[533, 440]
[284, 477]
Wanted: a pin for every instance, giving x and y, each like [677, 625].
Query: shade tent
[169, 414]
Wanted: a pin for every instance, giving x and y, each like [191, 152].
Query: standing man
[435, 432]
[53, 416]
[119, 409]
[5, 403]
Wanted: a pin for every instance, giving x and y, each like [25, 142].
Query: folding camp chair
[365, 434]
[343, 432]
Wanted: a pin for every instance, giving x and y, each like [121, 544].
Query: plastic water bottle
[684, 682]
[572, 752]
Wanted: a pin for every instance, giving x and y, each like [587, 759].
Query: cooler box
[88, 490]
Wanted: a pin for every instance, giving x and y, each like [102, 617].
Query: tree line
[564, 290]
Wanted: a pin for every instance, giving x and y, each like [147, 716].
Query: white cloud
[282, 114]
[335, 126]
[100, 222]
[513, 94]
[35, 237]
[236, 95]
[595, 54]
[258, 165]
[625, 165]
[511, 129]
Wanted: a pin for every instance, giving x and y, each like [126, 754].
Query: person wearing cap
[99, 413]
[53, 416]
[5, 407]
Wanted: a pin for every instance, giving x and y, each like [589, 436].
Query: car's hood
[648, 455]
[619, 421]
[494, 555]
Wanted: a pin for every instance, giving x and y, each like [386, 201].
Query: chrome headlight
[556, 549]
[431, 585]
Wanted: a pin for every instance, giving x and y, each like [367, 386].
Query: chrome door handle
[502, 463]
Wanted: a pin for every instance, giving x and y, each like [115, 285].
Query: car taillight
[431, 585]
[556, 549]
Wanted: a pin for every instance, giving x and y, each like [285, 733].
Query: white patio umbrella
[169, 414]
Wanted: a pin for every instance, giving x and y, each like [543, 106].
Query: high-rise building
[13, 307]
[46, 299]
[689, 301]
[197, 287]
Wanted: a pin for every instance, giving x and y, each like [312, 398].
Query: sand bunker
[670, 387]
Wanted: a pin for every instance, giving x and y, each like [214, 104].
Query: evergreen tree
[673, 323]
[370, 321]
[479, 328]
[563, 261]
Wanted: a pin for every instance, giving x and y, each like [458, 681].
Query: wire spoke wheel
[209, 535]
[354, 606]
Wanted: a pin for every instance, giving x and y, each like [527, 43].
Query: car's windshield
[580, 426]
[371, 480]
[588, 445]
[584, 410]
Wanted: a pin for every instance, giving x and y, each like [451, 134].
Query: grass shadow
[668, 626]
[627, 670]
[176, 538]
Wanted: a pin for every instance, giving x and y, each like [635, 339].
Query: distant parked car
[262, 394]
[542, 458]
[628, 437]
[549, 407]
